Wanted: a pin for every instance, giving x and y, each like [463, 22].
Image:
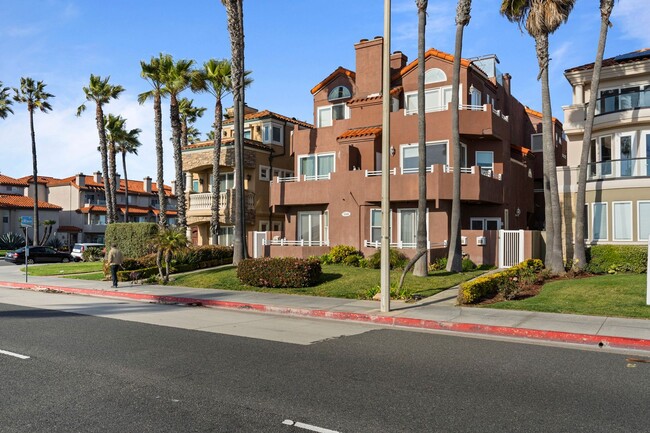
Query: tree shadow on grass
[327, 277]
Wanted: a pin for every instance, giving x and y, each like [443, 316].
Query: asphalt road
[93, 374]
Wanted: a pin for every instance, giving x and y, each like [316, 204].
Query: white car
[78, 250]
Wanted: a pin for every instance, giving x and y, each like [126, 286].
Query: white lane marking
[17, 355]
[308, 426]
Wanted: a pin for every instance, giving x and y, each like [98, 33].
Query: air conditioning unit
[481, 240]
[463, 240]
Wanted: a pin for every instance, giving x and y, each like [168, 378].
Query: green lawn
[621, 295]
[93, 276]
[64, 269]
[337, 281]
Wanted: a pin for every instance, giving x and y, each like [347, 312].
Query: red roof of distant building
[266, 113]
[23, 202]
[430, 53]
[226, 141]
[135, 186]
[6, 180]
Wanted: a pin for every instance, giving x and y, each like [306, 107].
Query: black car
[38, 255]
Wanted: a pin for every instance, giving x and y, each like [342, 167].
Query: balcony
[619, 169]
[201, 204]
[624, 101]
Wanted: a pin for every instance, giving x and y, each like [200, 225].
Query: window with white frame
[434, 75]
[643, 219]
[339, 92]
[436, 154]
[326, 115]
[265, 172]
[600, 156]
[485, 223]
[226, 181]
[316, 166]
[375, 225]
[475, 97]
[436, 99]
[599, 221]
[536, 142]
[247, 133]
[489, 99]
[485, 160]
[622, 220]
[407, 220]
[277, 226]
[272, 133]
[313, 227]
[226, 236]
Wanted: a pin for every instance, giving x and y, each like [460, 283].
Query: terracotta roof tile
[394, 92]
[133, 210]
[44, 180]
[360, 132]
[24, 202]
[266, 113]
[330, 77]
[226, 141]
[135, 186]
[538, 114]
[430, 53]
[634, 56]
[6, 180]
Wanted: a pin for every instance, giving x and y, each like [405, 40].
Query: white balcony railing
[373, 173]
[305, 178]
[299, 243]
[203, 201]
[403, 245]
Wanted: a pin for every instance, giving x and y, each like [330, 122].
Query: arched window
[339, 92]
[434, 75]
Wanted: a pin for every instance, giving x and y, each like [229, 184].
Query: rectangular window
[599, 221]
[536, 143]
[408, 227]
[265, 173]
[277, 226]
[226, 236]
[317, 166]
[247, 133]
[375, 225]
[436, 154]
[326, 115]
[485, 160]
[622, 220]
[643, 218]
[226, 181]
[5, 219]
[312, 227]
[627, 151]
[487, 223]
[436, 99]
[272, 134]
[195, 185]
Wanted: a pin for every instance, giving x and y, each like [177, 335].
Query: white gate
[511, 247]
[258, 246]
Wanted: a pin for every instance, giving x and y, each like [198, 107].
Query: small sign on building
[26, 221]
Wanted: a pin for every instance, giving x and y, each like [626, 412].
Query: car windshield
[76, 247]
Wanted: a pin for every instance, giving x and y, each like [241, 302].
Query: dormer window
[272, 133]
[340, 92]
[434, 75]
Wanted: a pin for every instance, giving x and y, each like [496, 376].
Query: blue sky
[291, 45]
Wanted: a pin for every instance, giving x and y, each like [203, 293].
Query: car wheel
[65, 260]
[30, 261]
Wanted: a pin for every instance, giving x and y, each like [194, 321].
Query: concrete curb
[468, 328]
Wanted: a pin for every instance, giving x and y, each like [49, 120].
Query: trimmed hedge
[618, 258]
[134, 239]
[278, 272]
[397, 260]
[489, 285]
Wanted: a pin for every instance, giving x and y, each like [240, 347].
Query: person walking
[114, 259]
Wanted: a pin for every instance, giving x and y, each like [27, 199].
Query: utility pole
[385, 166]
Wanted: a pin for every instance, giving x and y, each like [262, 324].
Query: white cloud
[627, 14]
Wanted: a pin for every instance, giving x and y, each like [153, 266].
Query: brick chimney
[173, 187]
[397, 61]
[368, 68]
[506, 82]
[97, 176]
[146, 184]
[117, 181]
[80, 179]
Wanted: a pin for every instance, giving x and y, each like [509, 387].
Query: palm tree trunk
[420, 266]
[183, 133]
[113, 179]
[162, 199]
[35, 174]
[126, 188]
[579, 253]
[554, 260]
[99, 118]
[455, 257]
[216, 155]
[178, 160]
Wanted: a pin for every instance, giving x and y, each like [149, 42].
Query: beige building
[618, 173]
[268, 141]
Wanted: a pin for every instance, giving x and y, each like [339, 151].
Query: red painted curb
[504, 331]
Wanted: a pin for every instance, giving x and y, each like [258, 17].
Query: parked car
[38, 255]
[78, 250]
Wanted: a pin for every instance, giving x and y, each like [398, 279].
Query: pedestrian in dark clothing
[114, 260]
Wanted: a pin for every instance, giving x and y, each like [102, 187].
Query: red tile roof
[9, 201]
[634, 56]
[133, 210]
[43, 180]
[360, 132]
[6, 180]
[226, 141]
[135, 186]
[340, 70]
[394, 92]
[430, 53]
[266, 113]
[538, 114]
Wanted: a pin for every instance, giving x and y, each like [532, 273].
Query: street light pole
[385, 166]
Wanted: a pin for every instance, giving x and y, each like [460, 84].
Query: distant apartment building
[83, 203]
[268, 138]
[618, 171]
[334, 195]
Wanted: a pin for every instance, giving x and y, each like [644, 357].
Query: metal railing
[298, 243]
[618, 168]
[403, 245]
[305, 178]
[623, 101]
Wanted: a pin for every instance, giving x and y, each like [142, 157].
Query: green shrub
[339, 253]
[618, 258]
[325, 259]
[397, 260]
[279, 272]
[11, 241]
[370, 292]
[439, 264]
[353, 260]
[92, 254]
[134, 239]
[468, 265]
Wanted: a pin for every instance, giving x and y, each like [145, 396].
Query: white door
[258, 244]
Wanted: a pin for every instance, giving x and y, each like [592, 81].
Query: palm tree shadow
[325, 278]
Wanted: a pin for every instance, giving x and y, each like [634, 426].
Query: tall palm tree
[189, 114]
[540, 18]
[5, 102]
[101, 92]
[153, 73]
[176, 78]
[128, 144]
[455, 257]
[114, 129]
[34, 95]
[579, 254]
[235, 18]
[193, 134]
[420, 268]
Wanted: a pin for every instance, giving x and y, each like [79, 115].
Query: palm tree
[5, 102]
[34, 95]
[455, 257]
[420, 268]
[168, 242]
[114, 129]
[579, 254]
[189, 114]
[153, 73]
[129, 143]
[176, 77]
[541, 18]
[193, 134]
[215, 78]
[235, 17]
[101, 92]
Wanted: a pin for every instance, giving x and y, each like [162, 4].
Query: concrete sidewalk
[438, 312]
